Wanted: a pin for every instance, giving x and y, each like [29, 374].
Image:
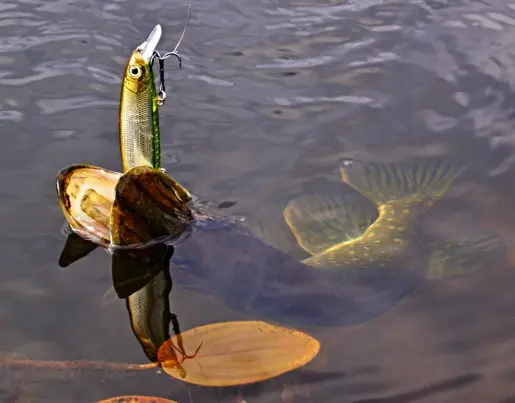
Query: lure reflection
[143, 280]
[141, 277]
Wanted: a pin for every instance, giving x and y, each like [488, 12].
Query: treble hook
[161, 96]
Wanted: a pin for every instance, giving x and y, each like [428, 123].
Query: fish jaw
[110, 208]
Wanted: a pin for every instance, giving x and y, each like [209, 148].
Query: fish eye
[135, 71]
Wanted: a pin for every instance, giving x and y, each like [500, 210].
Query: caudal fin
[462, 256]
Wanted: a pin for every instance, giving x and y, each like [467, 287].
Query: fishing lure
[139, 102]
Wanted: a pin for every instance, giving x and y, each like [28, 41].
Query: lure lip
[148, 47]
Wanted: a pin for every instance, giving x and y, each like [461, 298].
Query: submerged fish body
[360, 265]
[362, 261]
[255, 278]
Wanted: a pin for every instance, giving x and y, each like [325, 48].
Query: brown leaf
[136, 399]
[236, 353]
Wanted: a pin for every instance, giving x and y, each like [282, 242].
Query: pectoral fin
[272, 230]
[321, 221]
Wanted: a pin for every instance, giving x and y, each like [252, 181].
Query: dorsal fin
[414, 181]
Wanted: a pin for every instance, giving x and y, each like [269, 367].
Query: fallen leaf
[136, 399]
[236, 353]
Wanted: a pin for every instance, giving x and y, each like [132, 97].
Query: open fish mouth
[131, 210]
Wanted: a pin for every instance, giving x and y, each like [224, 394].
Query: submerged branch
[13, 362]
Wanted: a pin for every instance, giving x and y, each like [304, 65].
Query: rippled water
[272, 95]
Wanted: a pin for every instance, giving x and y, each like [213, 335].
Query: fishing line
[161, 97]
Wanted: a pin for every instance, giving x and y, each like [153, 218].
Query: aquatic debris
[136, 399]
[76, 364]
[237, 353]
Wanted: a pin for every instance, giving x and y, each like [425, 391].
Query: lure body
[138, 113]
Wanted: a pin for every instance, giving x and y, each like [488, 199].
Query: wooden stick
[75, 364]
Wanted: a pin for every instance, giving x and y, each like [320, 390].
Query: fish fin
[462, 256]
[416, 181]
[320, 221]
[75, 248]
[271, 229]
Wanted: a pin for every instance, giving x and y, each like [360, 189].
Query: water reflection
[141, 277]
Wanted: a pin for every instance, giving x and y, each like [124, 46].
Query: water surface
[273, 94]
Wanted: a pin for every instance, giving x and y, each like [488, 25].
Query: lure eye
[135, 71]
